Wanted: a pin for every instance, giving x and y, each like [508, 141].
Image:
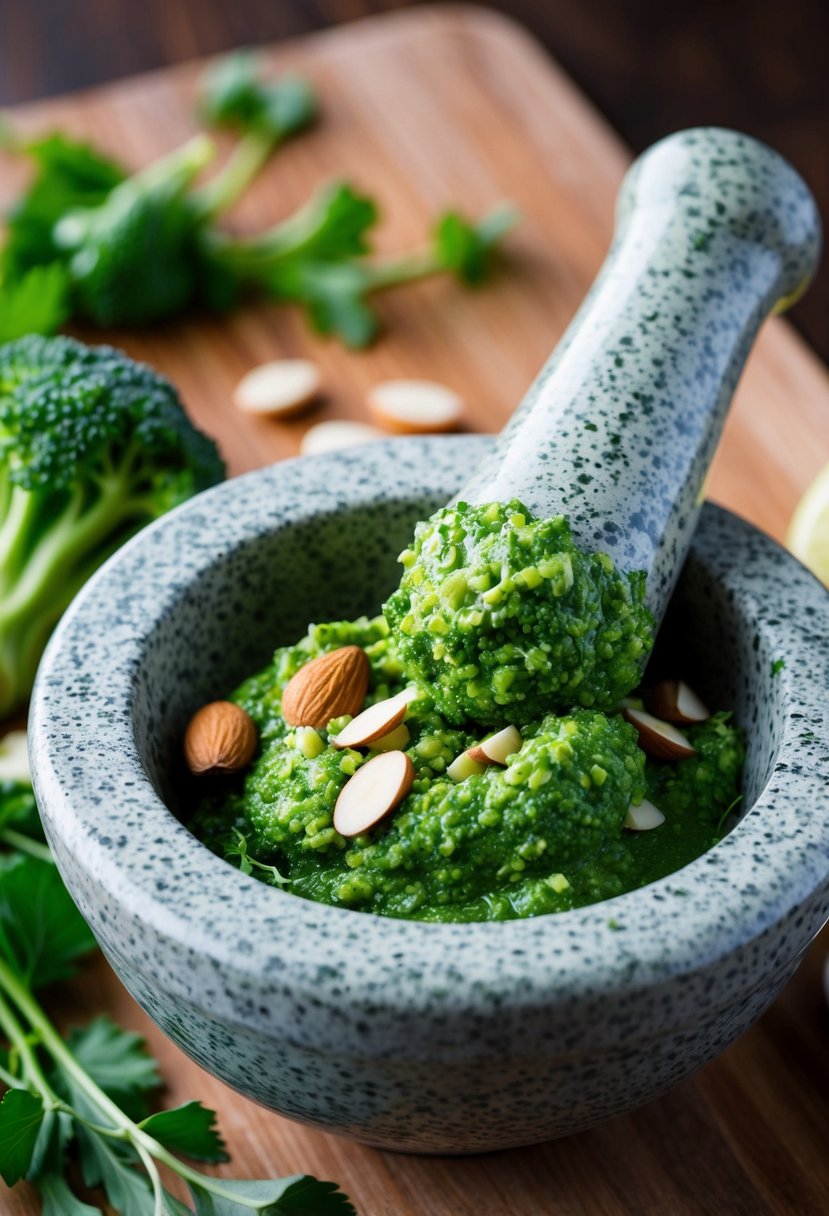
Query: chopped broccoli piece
[92, 447]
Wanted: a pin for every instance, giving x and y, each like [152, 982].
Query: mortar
[454, 1038]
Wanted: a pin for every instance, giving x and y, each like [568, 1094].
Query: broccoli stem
[43, 568]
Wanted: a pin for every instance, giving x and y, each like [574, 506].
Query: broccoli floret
[92, 447]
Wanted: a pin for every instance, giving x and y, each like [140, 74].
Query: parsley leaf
[58, 1199]
[298, 1196]
[314, 263]
[466, 248]
[68, 174]
[232, 95]
[36, 303]
[42, 933]
[18, 808]
[114, 1166]
[118, 1061]
[21, 1116]
[189, 1130]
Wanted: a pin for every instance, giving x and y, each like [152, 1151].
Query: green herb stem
[393, 272]
[25, 844]
[248, 159]
[148, 1149]
[17, 1036]
[54, 1044]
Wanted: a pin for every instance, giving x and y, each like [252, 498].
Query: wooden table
[429, 109]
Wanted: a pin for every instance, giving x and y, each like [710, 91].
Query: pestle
[714, 231]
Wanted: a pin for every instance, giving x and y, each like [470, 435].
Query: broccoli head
[92, 447]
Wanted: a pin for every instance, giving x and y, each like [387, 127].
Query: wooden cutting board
[429, 109]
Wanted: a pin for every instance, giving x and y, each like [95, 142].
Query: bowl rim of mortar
[85, 758]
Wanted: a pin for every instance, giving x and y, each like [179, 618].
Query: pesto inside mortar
[499, 618]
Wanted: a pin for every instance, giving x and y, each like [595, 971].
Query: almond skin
[378, 720]
[326, 688]
[220, 738]
[674, 701]
[659, 739]
[497, 747]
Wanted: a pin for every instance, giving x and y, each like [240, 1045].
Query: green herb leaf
[58, 1199]
[238, 848]
[296, 1196]
[334, 295]
[18, 808]
[115, 1166]
[118, 1061]
[42, 933]
[233, 95]
[466, 248]
[37, 303]
[21, 1116]
[68, 174]
[189, 1130]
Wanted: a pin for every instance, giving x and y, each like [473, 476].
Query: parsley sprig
[86, 1097]
[134, 250]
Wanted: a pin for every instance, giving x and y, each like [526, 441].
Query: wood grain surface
[650, 67]
[427, 109]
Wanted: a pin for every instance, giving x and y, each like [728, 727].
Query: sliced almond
[644, 817]
[336, 434]
[464, 766]
[497, 747]
[328, 687]
[376, 721]
[394, 741]
[14, 757]
[285, 387]
[415, 407]
[675, 701]
[220, 738]
[373, 792]
[659, 739]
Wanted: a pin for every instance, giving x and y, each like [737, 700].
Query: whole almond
[334, 684]
[220, 738]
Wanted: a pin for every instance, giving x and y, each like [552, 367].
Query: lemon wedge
[808, 535]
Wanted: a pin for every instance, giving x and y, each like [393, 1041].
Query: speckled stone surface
[415, 1036]
[714, 230]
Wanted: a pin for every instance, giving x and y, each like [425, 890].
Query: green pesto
[542, 835]
[504, 619]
